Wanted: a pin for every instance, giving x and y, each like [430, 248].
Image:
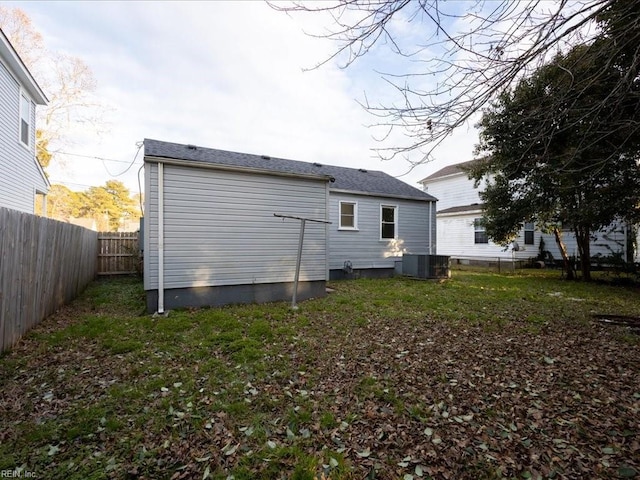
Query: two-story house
[22, 180]
[460, 234]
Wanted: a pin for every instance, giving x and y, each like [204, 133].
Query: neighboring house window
[388, 219]
[25, 120]
[529, 229]
[348, 216]
[480, 232]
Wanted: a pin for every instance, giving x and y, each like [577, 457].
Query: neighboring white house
[211, 237]
[22, 181]
[460, 235]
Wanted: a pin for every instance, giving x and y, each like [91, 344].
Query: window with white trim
[25, 120]
[388, 222]
[529, 230]
[348, 216]
[479, 232]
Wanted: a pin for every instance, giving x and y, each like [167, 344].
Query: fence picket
[118, 253]
[43, 264]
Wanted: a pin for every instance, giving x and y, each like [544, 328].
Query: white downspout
[430, 228]
[327, 232]
[160, 238]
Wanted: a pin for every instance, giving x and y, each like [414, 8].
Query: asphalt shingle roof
[369, 182]
[449, 170]
[463, 208]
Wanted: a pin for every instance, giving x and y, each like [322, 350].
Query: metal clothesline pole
[303, 222]
[294, 299]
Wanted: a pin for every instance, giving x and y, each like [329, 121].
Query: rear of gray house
[211, 237]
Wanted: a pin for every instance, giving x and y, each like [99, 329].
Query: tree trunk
[632, 234]
[583, 240]
[563, 251]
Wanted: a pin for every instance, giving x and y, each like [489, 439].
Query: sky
[231, 75]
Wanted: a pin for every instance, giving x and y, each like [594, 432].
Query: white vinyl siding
[20, 177]
[454, 191]
[363, 247]
[220, 229]
[605, 242]
[455, 235]
[456, 238]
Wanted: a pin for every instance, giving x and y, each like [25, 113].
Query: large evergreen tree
[109, 205]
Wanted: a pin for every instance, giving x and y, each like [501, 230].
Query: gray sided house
[211, 237]
[22, 180]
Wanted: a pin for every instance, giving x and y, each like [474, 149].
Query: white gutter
[431, 198]
[160, 238]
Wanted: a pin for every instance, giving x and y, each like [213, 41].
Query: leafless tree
[464, 59]
[67, 81]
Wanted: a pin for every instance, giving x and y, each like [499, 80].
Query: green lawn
[481, 376]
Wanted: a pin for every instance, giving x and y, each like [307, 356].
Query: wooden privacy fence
[44, 264]
[118, 253]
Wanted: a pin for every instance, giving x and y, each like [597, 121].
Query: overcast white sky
[225, 75]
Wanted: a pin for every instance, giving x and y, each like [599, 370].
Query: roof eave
[444, 213]
[441, 177]
[386, 195]
[459, 169]
[42, 173]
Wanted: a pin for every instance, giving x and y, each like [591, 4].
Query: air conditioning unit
[425, 266]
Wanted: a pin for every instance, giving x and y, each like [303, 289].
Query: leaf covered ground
[480, 376]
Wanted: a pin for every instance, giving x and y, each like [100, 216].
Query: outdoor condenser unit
[425, 266]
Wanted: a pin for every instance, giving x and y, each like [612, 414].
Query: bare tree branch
[458, 70]
[67, 81]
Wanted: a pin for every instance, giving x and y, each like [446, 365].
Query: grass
[344, 387]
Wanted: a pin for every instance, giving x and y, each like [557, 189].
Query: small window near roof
[529, 229]
[25, 120]
[348, 215]
[480, 233]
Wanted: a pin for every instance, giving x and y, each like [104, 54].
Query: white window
[480, 233]
[25, 120]
[529, 230]
[348, 216]
[388, 222]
